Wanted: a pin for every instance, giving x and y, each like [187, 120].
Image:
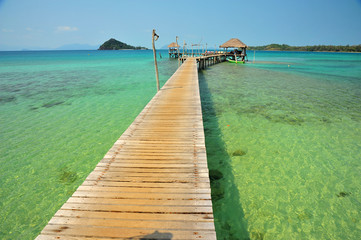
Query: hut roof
[173, 45]
[233, 43]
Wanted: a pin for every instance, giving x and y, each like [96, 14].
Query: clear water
[283, 136]
[60, 112]
[285, 133]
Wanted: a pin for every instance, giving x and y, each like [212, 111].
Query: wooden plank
[148, 202]
[148, 176]
[142, 189]
[126, 154]
[135, 216]
[153, 183]
[138, 208]
[153, 169]
[184, 185]
[152, 179]
[155, 165]
[137, 195]
[119, 233]
[143, 160]
[160, 173]
[121, 223]
[143, 177]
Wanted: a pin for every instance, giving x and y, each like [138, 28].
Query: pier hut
[239, 49]
[174, 50]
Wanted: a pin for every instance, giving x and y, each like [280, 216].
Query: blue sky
[49, 24]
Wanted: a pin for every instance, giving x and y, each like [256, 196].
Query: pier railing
[206, 59]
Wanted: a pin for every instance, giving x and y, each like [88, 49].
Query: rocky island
[113, 44]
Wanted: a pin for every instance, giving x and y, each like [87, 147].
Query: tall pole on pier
[155, 38]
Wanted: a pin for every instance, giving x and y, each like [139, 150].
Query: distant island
[113, 44]
[316, 48]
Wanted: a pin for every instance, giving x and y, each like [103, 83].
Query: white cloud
[7, 30]
[66, 29]
[29, 29]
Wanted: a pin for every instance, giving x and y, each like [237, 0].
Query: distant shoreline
[315, 48]
[249, 49]
[120, 49]
[92, 49]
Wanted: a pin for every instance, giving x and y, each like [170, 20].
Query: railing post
[176, 41]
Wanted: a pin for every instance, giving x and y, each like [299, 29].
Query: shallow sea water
[290, 148]
[283, 136]
[60, 112]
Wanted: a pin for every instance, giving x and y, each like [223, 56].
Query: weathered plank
[125, 233]
[135, 216]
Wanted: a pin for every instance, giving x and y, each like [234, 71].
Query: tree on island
[113, 44]
[317, 48]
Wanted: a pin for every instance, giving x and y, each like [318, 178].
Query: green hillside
[113, 44]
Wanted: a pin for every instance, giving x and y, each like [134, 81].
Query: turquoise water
[60, 112]
[283, 136]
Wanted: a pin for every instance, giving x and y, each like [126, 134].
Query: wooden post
[184, 43]
[176, 41]
[155, 38]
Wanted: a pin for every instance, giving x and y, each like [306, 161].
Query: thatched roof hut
[233, 43]
[173, 45]
[174, 50]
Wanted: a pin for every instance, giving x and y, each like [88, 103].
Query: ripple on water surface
[293, 143]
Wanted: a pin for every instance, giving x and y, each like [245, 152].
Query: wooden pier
[207, 59]
[153, 183]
